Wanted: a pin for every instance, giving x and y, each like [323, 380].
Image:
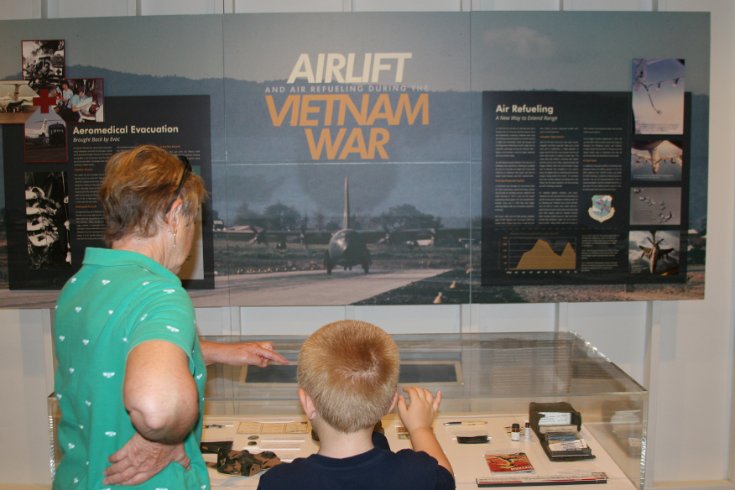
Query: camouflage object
[244, 462]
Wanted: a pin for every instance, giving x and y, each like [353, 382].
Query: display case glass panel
[488, 378]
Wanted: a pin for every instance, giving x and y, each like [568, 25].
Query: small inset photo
[653, 252]
[47, 219]
[43, 63]
[44, 138]
[658, 95]
[660, 160]
[81, 100]
[655, 206]
[16, 101]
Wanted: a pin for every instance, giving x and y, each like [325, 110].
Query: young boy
[348, 377]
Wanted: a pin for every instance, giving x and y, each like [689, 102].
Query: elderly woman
[131, 369]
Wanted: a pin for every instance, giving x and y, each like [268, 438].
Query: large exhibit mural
[373, 159]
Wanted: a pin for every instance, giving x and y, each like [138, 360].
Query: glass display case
[488, 381]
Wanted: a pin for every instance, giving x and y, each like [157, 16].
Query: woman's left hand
[241, 353]
[140, 459]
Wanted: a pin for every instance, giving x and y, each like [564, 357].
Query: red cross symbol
[44, 100]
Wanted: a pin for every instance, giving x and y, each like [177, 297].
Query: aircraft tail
[346, 212]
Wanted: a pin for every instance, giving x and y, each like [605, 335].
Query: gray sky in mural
[450, 52]
[188, 46]
[508, 49]
[446, 46]
[526, 51]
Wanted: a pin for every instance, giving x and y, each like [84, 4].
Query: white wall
[25, 379]
[682, 351]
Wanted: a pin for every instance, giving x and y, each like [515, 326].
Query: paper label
[555, 418]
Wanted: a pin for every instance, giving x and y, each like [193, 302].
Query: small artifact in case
[557, 426]
[553, 417]
[244, 462]
[565, 446]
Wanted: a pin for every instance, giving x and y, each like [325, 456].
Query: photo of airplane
[16, 101]
[654, 252]
[355, 246]
[641, 80]
[657, 87]
[45, 138]
[655, 206]
[343, 240]
[347, 247]
[37, 133]
[656, 160]
[48, 131]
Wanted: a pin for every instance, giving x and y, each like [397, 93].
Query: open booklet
[516, 462]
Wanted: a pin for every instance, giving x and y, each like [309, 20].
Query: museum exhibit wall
[682, 351]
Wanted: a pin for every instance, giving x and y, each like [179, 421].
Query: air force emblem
[602, 208]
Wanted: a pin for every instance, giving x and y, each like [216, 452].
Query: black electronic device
[557, 426]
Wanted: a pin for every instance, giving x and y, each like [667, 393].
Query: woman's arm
[159, 392]
[241, 353]
[161, 397]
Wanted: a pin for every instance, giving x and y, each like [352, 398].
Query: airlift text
[336, 67]
[338, 126]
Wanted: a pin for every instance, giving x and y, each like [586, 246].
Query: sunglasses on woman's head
[182, 181]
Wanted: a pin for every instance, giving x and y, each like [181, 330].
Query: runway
[306, 288]
[298, 288]
[27, 299]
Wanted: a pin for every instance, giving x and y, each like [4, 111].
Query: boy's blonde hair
[349, 368]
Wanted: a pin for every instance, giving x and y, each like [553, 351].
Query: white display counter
[269, 433]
